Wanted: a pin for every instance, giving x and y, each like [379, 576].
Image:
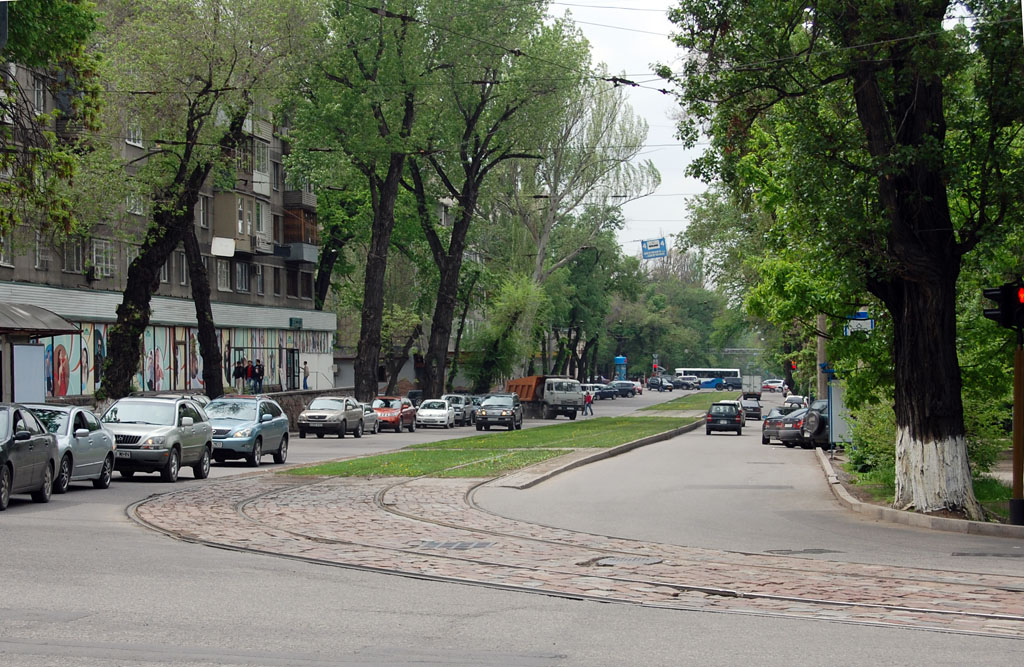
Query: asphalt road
[84, 585]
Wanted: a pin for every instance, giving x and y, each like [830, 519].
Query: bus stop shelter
[22, 378]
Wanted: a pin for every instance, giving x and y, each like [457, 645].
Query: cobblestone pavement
[430, 528]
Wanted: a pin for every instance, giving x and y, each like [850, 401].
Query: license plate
[123, 454]
[723, 421]
[316, 426]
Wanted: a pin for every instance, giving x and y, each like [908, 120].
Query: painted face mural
[62, 371]
[99, 356]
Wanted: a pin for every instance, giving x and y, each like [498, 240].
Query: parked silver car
[465, 410]
[332, 414]
[370, 422]
[85, 448]
[160, 435]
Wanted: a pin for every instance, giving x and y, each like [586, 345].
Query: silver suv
[160, 435]
[465, 410]
[332, 414]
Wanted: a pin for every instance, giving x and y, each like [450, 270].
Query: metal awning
[29, 320]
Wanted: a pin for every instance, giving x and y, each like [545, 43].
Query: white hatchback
[435, 412]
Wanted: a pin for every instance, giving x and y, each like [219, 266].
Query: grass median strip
[492, 454]
[699, 401]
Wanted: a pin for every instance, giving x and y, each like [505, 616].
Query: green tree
[183, 74]
[858, 131]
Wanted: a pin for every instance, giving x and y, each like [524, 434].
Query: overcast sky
[628, 36]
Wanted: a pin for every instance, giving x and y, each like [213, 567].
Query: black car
[751, 407]
[659, 383]
[735, 384]
[624, 387]
[603, 391]
[28, 455]
[791, 429]
[500, 410]
[723, 417]
[815, 428]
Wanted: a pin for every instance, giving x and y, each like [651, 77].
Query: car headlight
[482, 412]
[242, 432]
[505, 413]
[154, 442]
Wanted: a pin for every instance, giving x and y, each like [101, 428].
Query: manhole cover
[460, 546]
[628, 560]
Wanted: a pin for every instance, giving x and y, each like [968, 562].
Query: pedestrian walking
[588, 403]
[305, 375]
[257, 382]
[250, 376]
[238, 376]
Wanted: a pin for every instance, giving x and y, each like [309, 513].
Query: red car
[395, 412]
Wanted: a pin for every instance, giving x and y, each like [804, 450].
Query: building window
[73, 261]
[261, 156]
[39, 94]
[277, 281]
[241, 216]
[241, 277]
[43, 254]
[7, 257]
[134, 204]
[206, 265]
[131, 252]
[293, 283]
[306, 284]
[223, 275]
[258, 272]
[182, 269]
[278, 228]
[275, 178]
[248, 217]
[104, 258]
[164, 271]
[243, 157]
[133, 134]
[260, 211]
[203, 211]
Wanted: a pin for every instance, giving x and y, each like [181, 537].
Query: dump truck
[548, 396]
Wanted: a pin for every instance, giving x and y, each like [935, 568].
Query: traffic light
[1010, 301]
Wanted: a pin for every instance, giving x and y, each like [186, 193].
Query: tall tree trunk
[454, 371]
[209, 349]
[330, 249]
[368, 348]
[932, 470]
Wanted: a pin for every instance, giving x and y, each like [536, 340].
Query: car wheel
[376, 428]
[342, 429]
[302, 434]
[217, 458]
[281, 455]
[519, 427]
[106, 474]
[766, 441]
[813, 423]
[257, 453]
[319, 434]
[487, 428]
[806, 445]
[479, 427]
[789, 445]
[739, 431]
[63, 480]
[359, 429]
[201, 470]
[412, 426]
[42, 494]
[170, 471]
[127, 474]
[5, 487]
[572, 415]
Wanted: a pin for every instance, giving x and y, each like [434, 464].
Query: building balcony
[298, 252]
[299, 199]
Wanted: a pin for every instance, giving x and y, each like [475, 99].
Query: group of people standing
[248, 375]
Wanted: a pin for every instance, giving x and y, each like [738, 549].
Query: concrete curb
[597, 456]
[912, 518]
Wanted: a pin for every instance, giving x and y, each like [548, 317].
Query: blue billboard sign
[653, 248]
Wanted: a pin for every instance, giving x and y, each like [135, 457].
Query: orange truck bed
[529, 388]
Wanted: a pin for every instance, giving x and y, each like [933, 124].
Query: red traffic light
[1020, 295]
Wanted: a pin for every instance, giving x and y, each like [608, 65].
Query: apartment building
[259, 243]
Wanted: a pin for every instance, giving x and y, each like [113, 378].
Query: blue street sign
[653, 248]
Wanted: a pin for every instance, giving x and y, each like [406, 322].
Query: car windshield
[797, 414]
[387, 403]
[498, 402]
[241, 410]
[327, 404]
[141, 412]
[723, 409]
[55, 421]
[454, 400]
[434, 405]
[821, 405]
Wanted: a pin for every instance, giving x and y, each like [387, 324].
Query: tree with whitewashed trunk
[890, 149]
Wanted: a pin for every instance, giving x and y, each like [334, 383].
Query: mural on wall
[169, 358]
